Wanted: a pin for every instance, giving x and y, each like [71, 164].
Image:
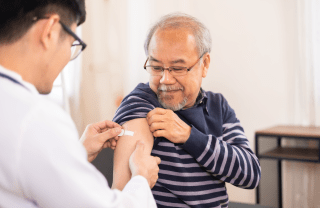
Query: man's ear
[206, 64]
[51, 31]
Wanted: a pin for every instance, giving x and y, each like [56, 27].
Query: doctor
[43, 164]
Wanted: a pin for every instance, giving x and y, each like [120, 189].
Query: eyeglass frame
[168, 68]
[70, 32]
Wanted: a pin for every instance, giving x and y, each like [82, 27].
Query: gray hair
[181, 20]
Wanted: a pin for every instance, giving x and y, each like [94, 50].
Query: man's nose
[167, 78]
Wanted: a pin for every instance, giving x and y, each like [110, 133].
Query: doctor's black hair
[17, 16]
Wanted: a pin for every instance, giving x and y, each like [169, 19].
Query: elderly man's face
[176, 47]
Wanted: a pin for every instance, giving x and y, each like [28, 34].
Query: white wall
[254, 50]
[104, 60]
[254, 54]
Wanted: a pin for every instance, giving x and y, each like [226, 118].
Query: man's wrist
[186, 137]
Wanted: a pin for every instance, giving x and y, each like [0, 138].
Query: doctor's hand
[142, 163]
[165, 123]
[98, 136]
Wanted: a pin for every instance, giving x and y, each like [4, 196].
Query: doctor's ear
[206, 64]
[50, 32]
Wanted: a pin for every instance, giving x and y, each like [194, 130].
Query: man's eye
[178, 69]
[157, 68]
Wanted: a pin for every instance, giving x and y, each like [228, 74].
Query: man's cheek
[154, 86]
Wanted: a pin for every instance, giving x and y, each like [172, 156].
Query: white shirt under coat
[42, 162]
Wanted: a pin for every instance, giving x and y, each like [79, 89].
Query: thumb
[110, 133]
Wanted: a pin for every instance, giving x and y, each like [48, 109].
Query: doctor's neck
[25, 57]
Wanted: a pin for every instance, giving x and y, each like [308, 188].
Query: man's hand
[142, 163]
[99, 136]
[165, 123]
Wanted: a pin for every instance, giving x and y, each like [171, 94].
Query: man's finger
[160, 133]
[113, 143]
[160, 111]
[111, 133]
[158, 160]
[155, 118]
[157, 126]
[107, 144]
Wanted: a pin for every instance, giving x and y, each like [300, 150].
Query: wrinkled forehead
[172, 40]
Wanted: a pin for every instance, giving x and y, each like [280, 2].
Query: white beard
[162, 99]
[175, 107]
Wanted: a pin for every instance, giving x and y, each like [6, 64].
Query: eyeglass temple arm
[74, 35]
[145, 64]
[196, 62]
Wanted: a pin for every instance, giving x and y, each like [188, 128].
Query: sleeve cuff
[136, 183]
[139, 189]
[196, 143]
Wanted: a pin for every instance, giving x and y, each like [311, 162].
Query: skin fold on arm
[125, 147]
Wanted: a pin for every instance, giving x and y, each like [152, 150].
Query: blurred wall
[104, 61]
[254, 54]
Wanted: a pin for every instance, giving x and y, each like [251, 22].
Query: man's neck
[17, 58]
[196, 101]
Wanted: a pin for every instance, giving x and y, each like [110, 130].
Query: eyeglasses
[174, 70]
[78, 45]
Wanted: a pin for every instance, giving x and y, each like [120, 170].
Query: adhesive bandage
[126, 132]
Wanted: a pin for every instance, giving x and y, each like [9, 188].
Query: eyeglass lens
[76, 49]
[175, 71]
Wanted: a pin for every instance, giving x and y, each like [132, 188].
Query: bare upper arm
[125, 146]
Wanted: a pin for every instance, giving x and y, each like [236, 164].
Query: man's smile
[169, 91]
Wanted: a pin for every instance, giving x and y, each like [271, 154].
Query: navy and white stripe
[193, 174]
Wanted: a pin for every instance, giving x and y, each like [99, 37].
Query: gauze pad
[126, 132]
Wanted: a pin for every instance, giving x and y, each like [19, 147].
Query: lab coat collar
[19, 79]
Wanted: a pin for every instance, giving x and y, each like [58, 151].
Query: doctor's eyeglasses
[78, 45]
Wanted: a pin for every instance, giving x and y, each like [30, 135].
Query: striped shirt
[193, 174]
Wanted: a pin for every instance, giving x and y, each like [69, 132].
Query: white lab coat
[42, 162]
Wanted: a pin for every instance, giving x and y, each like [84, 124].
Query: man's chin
[174, 106]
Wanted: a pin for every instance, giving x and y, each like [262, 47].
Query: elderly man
[195, 132]
[43, 164]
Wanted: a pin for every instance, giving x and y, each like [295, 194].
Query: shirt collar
[19, 79]
[202, 98]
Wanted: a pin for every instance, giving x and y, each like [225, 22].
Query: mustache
[169, 88]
